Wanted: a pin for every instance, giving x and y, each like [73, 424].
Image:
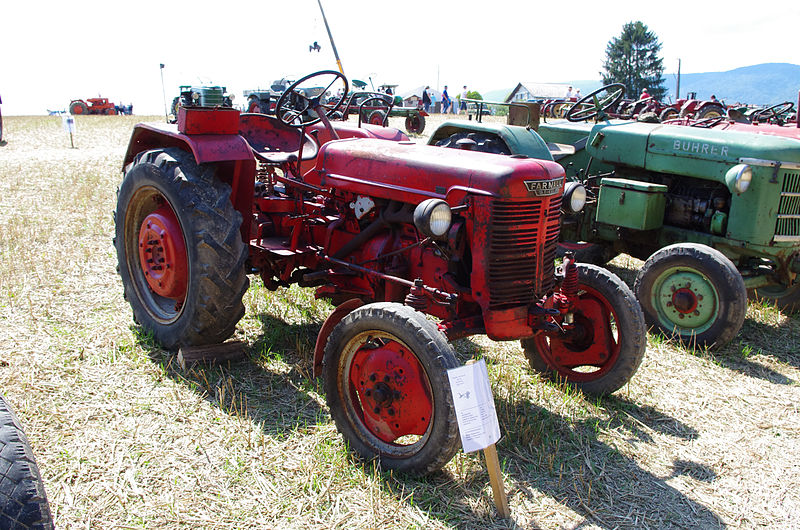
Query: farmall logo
[543, 188]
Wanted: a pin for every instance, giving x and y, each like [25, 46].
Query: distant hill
[760, 84]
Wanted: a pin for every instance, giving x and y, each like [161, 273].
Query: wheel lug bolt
[377, 410]
[680, 315]
[669, 304]
[697, 313]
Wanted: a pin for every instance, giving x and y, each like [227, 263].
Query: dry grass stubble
[125, 439]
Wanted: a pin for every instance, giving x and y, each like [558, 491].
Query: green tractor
[713, 208]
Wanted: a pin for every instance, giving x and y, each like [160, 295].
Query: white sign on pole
[69, 123]
[475, 412]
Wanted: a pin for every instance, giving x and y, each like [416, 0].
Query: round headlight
[574, 197]
[738, 178]
[195, 96]
[433, 217]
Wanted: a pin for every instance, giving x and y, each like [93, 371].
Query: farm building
[526, 91]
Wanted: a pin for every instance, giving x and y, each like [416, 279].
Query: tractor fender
[334, 318]
[230, 152]
[206, 148]
[520, 140]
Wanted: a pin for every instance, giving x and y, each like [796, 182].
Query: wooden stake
[495, 476]
[227, 351]
[496, 479]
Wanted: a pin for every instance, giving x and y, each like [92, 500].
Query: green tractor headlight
[738, 178]
[574, 197]
[433, 217]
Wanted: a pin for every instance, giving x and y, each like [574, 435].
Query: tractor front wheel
[694, 293]
[180, 253]
[387, 387]
[415, 123]
[603, 347]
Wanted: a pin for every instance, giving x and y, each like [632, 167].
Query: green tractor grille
[788, 225]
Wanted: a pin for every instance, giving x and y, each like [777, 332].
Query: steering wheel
[707, 123]
[773, 112]
[303, 102]
[590, 106]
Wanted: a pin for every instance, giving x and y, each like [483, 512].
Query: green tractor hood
[682, 150]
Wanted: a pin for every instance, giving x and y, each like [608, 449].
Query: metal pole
[678, 87]
[164, 93]
[335, 53]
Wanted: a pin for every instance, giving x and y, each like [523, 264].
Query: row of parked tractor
[647, 108]
[371, 106]
[392, 231]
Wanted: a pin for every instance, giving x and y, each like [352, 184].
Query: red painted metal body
[346, 227]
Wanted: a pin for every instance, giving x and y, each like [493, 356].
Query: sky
[56, 51]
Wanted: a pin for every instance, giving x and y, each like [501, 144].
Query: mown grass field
[126, 439]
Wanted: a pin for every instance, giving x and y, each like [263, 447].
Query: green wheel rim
[685, 299]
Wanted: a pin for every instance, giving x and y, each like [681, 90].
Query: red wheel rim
[389, 390]
[593, 343]
[162, 253]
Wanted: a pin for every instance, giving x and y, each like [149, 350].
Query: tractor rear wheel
[387, 387]
[180, 253]
[415, 123]
[78, 107]
[786, 298]
[694, 293]
[377, 117]
[606, 343]
[668, 114]
[23, 501]
[710, 111]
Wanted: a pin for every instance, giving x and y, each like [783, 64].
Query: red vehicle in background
[92, 106]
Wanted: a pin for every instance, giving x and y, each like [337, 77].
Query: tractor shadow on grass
[550, 458]
[271, 385]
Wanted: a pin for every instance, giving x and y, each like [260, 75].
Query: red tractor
[391, 232]
[92, 106]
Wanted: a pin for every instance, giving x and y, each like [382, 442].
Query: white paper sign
[69, 124]
[475, 413]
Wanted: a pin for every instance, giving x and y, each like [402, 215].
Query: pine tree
[632, 59]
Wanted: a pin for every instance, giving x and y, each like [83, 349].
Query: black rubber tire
[79, 106]
[668, 114]
[377, 117]
[632, 336]
[680, 262]
[215, 251]
[710, 111]
[484, 142]
[415, 123]
[432, 352]
[787, 299]
[23, 501]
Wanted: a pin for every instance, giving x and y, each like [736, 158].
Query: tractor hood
[411, 172]
[684, 150]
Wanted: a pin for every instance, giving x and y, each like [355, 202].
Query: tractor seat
[274, 142]
[560, 150]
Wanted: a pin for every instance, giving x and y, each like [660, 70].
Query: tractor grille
[788, 226]
[522, 247]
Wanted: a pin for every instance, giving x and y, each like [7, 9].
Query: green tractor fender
[517, 140]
